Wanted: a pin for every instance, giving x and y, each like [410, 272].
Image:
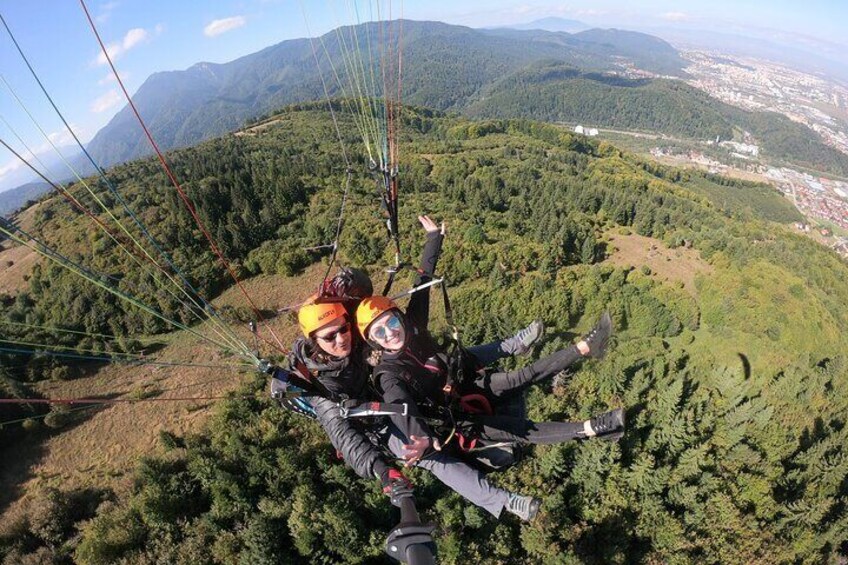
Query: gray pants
[459, 476]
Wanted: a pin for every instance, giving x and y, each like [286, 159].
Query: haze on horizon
[156, 36]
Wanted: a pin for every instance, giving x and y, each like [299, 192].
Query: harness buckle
[405, 409]
[344, 411]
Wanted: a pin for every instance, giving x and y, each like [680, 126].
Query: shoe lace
[519, 504]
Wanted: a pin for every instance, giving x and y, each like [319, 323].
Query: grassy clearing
[102, 445]
[675, 266]
[16, 262]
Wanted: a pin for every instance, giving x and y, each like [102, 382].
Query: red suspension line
[176, 183]
[399, 79]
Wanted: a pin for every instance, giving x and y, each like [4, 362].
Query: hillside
[554, 92]
[500, 73]
[729, 354]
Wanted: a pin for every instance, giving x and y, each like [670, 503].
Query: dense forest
[736, 392]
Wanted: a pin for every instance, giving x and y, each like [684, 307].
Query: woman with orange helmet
[414, 370]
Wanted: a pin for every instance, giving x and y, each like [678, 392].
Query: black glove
[396, 485]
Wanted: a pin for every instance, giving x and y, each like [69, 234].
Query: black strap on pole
[456, 365]
[390, 192]
[411, 541]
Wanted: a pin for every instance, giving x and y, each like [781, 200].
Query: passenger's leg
[461, 477]
[609, 425]
[519, 344]
[519, 430]
[500, 383]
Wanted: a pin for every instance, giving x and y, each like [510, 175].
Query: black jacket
[336, 380]
[416, 374]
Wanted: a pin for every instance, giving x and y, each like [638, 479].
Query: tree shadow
[22, 453]
[746, 365]
[154, 347]
[606, 542]
[268, 314]
[616, 80]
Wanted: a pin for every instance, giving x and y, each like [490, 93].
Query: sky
[148, 36]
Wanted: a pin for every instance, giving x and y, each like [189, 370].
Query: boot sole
[603, 349]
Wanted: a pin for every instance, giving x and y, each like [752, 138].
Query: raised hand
[429, 225]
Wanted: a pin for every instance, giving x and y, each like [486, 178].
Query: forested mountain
[444, 67]
[736, 388]
[503, 73]
[554, 92]
[553, 24]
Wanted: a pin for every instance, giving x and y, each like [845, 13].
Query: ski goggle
[331, 337]
[381, 332]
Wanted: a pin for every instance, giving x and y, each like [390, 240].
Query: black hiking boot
[599, 336]
[522, 342]
[608, 426]
[525, 507]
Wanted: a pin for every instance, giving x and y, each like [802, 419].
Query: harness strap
[302, 378]
[393, 271]
[466, 443]
[476, 404]
[355, 409]
[455, 358]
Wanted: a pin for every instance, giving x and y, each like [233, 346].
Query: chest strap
[356, 409]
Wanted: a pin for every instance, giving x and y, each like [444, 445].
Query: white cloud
[675, 16]
[132, 38]
[61, 137]
[10, 167]
[106, 102]
[591, 13]
[217, 27]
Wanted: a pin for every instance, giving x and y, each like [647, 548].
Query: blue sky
[146, 36]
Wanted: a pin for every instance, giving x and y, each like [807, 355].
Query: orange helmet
[370, 309]
[312, 316]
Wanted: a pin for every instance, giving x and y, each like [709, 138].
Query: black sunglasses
[330, 337]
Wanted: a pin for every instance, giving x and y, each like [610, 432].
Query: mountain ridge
[205, 100]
